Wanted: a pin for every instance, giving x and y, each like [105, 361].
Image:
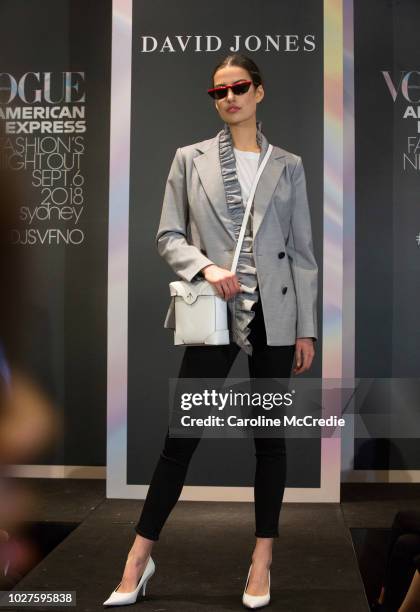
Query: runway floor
[203, 556]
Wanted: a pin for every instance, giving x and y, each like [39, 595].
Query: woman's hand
[304, 354]
[225, 281]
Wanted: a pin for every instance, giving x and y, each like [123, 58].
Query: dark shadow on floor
[371, 546]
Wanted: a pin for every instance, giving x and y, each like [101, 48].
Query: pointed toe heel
[255, 601]
[124, 599]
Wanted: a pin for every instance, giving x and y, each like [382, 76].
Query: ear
[259, 93]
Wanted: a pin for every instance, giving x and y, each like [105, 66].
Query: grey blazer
[196, 230]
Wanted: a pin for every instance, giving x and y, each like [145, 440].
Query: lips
[232, 109]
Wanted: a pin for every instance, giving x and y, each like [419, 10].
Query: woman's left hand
[304, 354]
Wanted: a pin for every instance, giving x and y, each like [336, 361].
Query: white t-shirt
[246, 168]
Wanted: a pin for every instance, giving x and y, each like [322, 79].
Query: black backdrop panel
[170, 108]
[387, 210]
[63, 331]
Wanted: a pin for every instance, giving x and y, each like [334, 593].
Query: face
[235, 109]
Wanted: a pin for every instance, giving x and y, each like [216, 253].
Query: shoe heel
[121, 599]
[144, 587]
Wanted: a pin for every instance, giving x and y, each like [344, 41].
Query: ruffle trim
[241, 304]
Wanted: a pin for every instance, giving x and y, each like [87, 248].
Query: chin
[232, 119]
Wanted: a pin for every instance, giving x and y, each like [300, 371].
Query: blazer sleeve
[303, 265]
[185, 259]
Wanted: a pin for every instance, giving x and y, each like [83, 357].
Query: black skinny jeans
[270, 473]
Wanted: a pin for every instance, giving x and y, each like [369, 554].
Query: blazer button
[284, 289]
[281, 254]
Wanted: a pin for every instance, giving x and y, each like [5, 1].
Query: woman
[202, 213]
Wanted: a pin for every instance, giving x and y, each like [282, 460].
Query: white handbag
[201, 316]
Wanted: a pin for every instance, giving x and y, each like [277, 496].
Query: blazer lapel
[208, 168]
[266, 186]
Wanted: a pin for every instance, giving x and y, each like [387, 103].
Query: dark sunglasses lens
[241, 88]
[218, 94]
[221, 92]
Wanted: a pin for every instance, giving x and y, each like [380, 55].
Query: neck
[244, 135]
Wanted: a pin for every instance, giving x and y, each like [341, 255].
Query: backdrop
[97, 97]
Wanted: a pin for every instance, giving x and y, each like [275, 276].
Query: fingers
[306, 361]
[220, 290]
[236, 284]
[298, 360]
[304, 356]
[226, 282]
[224, 289]
[228, 287]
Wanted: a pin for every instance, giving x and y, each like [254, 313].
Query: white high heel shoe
[255, 601]
[123, 599]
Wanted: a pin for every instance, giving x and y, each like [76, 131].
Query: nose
[230, 96]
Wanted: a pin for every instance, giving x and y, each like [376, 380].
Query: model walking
[272, 298]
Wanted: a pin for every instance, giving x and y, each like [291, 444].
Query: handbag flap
[190, 291]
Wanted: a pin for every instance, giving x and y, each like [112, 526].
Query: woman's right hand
[225, 281]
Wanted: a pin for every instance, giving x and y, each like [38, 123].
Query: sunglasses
[218, 93]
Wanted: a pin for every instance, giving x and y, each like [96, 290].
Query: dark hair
[243, 61]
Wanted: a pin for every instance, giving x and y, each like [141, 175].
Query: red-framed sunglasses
[217, 93]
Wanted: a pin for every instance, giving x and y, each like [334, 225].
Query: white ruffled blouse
[240, 306]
